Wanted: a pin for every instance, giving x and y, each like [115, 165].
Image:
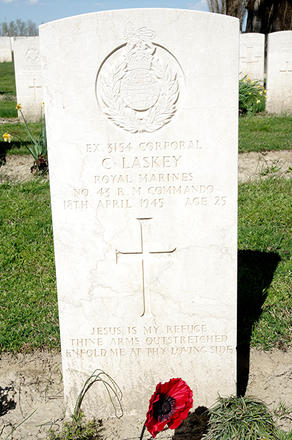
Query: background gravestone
[142, 137]
[279, 72]
[5, 49]
[252, 56]
[28, 76]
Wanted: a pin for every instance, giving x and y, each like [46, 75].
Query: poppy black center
[163, 408]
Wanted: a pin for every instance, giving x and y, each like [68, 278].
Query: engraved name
[141, 162]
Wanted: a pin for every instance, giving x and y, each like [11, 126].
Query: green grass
[7, 81]
[265, 133]
[284, 435]
[8, 109]
[7, 91]
[78, 429]
[240, 418]
[28, 300]
[265, 246]
[20, 137]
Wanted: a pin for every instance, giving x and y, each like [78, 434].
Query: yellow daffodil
[18, 107]
[258, 101]
[7, 137]
[261, 93]
[249, 93]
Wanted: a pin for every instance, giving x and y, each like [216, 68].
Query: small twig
[142, 432]
[17, 426]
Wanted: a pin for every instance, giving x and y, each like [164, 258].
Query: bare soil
[34, 389]
[8, 120]
[251, 166]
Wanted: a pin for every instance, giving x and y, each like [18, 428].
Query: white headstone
[142, 137]
[252, 56]
[5, 50]
[279, 72]
[28, 76]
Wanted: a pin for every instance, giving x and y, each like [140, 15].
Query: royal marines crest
[32, 55]
[138, 85]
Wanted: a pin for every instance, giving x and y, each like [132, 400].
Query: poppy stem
[142, 432]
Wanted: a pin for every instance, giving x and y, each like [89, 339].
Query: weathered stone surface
[142, 137]
[28, 76]
[279, 72]
[252, 56]
[5, 50]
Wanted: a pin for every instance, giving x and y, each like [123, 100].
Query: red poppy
[170, 404]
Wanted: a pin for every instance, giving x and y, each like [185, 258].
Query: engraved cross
[287, 67]
[142, 253]
[250, 58]
[34, 87]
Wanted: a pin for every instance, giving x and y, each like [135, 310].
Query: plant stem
[142, 432]
[19, 424]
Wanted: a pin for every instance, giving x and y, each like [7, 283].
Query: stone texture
[12, 43]
[142, 138]
[279, 72]
[5, 49]
[28, 76]
[252, 56]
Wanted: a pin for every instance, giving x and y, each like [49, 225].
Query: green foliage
[38, 147]
[18, 28]
[240, 418]
[78, 429]
[251, 96]
[281, 435]
[265, 133]
[28, 300]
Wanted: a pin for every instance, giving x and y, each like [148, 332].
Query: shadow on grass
[195, 425]
[6, 146]
[255, 274]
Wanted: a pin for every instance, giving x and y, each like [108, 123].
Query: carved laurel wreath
[150, 120]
